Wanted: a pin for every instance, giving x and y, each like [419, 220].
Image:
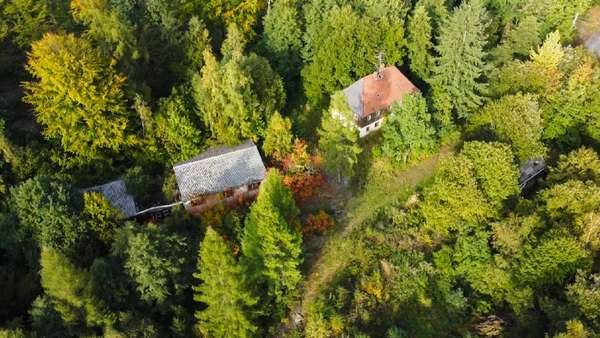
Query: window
[376, 124]
[369, 117]
[198, 201]
[368, 128]
[228, 193]
[254, 186]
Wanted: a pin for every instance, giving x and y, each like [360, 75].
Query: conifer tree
[69, 287]
[278, 137]
[282, 38]
[456, 76]
[419, 43]
[222, 289]
[237, 97]
[271, 245]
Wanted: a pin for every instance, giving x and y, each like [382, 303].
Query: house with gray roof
[117, 196]
[220, 175]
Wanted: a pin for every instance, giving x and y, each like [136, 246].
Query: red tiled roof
[381, 92]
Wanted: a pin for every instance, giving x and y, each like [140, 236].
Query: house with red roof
[370, 98]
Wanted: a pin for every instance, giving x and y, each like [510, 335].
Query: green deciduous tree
[407, 132]
[515, 119]
[220, 13]
[582, 164]
[572, 111]
[101, 216]
[454, 201]
[420, 45]
[460, 65]
[78, 96]
[585, 294]
[574, 329]
[540, 75]
[338, 140]
[271, 246]
[551, 262]
[278, 137]
[223, 290]
[495, 170]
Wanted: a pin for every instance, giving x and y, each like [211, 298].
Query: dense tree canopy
[418, 229]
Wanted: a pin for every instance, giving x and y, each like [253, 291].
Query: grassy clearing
[385, 186]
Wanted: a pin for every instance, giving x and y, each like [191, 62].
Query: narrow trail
[330, 260]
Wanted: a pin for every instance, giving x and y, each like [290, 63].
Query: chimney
[380, 67]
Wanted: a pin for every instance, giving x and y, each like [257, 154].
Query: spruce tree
[460, 65]
[222, 289]
[237, 96]
[271, 246]
[419, 43]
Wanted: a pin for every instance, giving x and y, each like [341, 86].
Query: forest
[420, 229]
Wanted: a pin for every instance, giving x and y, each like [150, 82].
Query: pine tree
[222, 289]
[271, 246]
[419, 43]
[78, 96]
[278, 137]
[456, 76]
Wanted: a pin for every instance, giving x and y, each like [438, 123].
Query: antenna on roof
[380, 65]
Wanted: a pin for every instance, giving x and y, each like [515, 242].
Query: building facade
[222, 175]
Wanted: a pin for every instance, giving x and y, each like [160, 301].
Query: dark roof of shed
[219, 169]
[593, 44]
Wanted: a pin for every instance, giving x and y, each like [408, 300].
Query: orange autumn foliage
[318, 223]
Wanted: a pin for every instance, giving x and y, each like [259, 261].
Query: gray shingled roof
[219, 169]
[354, 95]
[593, 44]
[116, 194]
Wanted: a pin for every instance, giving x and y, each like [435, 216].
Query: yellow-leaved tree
[78, 96]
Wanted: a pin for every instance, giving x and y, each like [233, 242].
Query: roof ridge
[249, 144]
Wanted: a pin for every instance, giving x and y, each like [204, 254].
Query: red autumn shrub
[318, 223]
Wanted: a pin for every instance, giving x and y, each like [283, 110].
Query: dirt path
[337, 246]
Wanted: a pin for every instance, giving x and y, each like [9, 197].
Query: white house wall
[369, 128]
